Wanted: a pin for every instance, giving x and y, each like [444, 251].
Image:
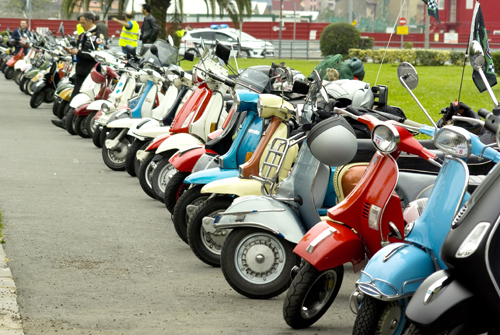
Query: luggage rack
[270, 169]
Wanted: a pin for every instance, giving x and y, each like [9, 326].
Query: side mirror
[408, 75]
[154, 50]
[189, 56]
[289, 75]
[170, 40]
[317, 77]
[223, 52]
[476, 55]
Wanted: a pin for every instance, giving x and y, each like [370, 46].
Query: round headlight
[236, 101]
[259, 107]
[385, 137]
[105, 108]
[453, 140]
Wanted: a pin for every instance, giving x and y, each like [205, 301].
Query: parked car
[250, 46]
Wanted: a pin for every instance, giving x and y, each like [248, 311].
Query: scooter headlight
[260, 106]
[471, 242]
[454, 141]
[105, 108]
[386, 138]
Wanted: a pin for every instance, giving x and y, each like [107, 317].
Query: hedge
[496, 61]
[420, 56]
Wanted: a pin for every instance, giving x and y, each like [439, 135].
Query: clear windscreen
[166, 53]
[253, 80]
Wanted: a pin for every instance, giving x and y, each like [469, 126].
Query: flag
[479, 34]
[61, 29]
[432, 9]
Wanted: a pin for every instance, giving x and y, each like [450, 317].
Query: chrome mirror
[476, 55]
[408, 75]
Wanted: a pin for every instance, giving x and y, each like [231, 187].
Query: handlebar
[482, 112]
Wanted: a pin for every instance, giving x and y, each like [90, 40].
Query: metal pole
[294, 21]
[350, 11]
[402, 41]
[29, 15]
[281, 26]
[427, 21]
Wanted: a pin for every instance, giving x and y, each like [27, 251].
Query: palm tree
[235, 9]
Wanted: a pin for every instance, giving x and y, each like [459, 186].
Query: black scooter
[465, 298]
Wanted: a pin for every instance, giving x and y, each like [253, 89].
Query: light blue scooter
[396, 271]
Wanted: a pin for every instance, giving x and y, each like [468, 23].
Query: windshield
[253, 80]
[246, 37]
[166, 53]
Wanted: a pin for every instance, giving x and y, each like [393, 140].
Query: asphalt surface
[91, 253]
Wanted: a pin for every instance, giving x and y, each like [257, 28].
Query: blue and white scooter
[396, 271]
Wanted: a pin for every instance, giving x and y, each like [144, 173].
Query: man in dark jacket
[102, 27]
[21, 32]
[149, 30]
[92, 39]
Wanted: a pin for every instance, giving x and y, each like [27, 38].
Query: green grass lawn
[438, 85]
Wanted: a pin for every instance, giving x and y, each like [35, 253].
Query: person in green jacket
[129, 34]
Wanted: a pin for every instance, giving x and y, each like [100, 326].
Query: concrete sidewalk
[92, 254]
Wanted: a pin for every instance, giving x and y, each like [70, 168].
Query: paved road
[92, 254]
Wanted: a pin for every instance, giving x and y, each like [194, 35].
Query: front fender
[157, 141]
[66, 93]
[234, 186]
[185, 160]
[328, 245]
[395, 271]
[146, 132]
[39, 86]
[123, 123]
[178, 142]
[96, 105]
[82, 110]
[211, 175]
[264, 213]
[80, 99]
[19, 64]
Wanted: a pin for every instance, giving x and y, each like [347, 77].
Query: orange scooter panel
[192, 110]
[328, 245]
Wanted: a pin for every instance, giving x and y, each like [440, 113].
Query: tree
[20, 7]
[338, 38]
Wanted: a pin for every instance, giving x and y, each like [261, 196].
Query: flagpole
[476, 8]
[426, 29]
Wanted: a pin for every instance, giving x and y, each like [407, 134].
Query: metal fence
[297, 49]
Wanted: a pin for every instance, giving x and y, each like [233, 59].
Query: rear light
[248, 156]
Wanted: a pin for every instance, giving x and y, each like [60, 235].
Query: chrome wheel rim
[260, 258]
[390, 320]
[164, 177]
[318, 295]
[214, 241]
[119, 154]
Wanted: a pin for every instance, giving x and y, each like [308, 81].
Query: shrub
[408, 45]
[366, 43]
[338, 38]
[496, 61]
[408, 55]
[361, 54]
[457, 57]
[432, 57]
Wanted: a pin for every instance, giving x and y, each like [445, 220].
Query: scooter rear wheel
[180, 217]
[380, 317]
[70, 116]
[37, 99]
[164, 170]
[80, 126]
[310, 295]
[9, 73]
[115, 158]
[174, 190]
[257, 263]
[90, 123]
[22, 84]
[96, 137]
[130, 160]
[17, 77]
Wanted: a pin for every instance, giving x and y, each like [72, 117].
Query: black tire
[174, 190]
[22, 84]
[80, 126]
[49, 94]
[96, 137]
[29, 87]
[241, 272]
[17, 77]
[180, 218]
[414, 330]
[115, 158]
[131, 156]
[37, 99]
[62, 109]
[378, 317]
[90, 123]
[244, 54]
[102, 136]
[70, 121]
[207, 247]
[310, 295]
[163, 171]
[55, 106]
[9, 73]
[145, 173]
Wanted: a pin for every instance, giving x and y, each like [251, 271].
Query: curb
[10, 320]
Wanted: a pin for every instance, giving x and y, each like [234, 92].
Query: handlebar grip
[492, 122]
[353, 110]
[482, 112]
[412, 123]
[229, 83]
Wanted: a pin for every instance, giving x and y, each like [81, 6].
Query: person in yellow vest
[129, 34]
[79, 28]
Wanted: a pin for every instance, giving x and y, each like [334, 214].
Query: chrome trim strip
[372, 290]
[385, 205]
[247, 224]
[320, 238]
[393, 252]
[253, 211]
[466, 183]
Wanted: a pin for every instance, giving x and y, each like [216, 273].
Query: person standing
[91, 39]
[21, 32]
[79, 28]
[129, 34]
[149, 30]
[102, 26]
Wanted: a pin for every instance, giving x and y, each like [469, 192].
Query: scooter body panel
[157, 141]
[146, 101]
[206, 161]
[19, 64]
[39, 86]
[80, 99]
[210, 175]
[159, 112]
[211, 118]
[96, 105]
[266, 213]
[179, 141]
[329, 244]
[82, 110]
[191, 110]
[409, 266]
[123, 123]
[150, 132]
[185, 160]
[233, 186]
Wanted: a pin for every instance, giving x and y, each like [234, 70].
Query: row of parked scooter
[281, 183]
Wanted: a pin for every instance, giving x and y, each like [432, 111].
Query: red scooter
[369, 218]
[9, 67]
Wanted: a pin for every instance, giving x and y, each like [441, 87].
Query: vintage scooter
[396, 271]
[200, 115]
[443, 303]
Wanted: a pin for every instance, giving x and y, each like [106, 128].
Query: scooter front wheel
[257, 263]
[70, 121]
[80, 126]
[207, 244]
[90, 123]
[131, 164]
[180, 217]
[9, 73]
[380, 317]
[145, 173]
[174, 190]
[17, 77]
[115, 158]
[161, 177]
[96, 137]
[62, 109]
[310, 295]
[37, 99]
